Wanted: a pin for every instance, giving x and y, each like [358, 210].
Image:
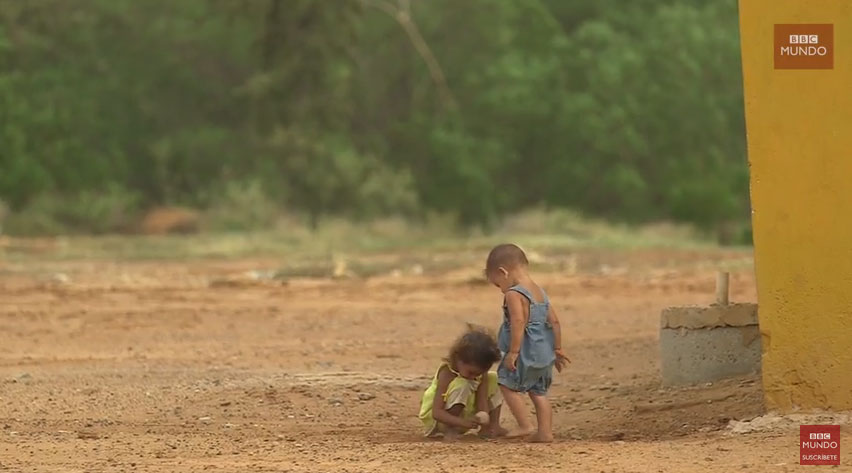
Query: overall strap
[526, 293]
[544, 299]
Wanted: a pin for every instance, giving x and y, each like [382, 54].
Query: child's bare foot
[519, 432]
[451, 436]
[493, 433]
[538, 437]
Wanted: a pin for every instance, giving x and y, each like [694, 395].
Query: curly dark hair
[476, 346]
[507, 255]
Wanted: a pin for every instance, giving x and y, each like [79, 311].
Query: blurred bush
[113, 210]
[630, 111]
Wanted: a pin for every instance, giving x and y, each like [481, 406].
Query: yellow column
[800, 152]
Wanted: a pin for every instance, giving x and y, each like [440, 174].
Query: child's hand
[511, 361]
[561, 360]
[469, 424]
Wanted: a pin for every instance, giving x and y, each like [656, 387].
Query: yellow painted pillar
[799, 124]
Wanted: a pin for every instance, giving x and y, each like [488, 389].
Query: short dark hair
[506, 255]
[476, 346]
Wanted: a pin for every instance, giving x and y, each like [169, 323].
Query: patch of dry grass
[436, 244]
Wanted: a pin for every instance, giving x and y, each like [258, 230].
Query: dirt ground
[179, 367]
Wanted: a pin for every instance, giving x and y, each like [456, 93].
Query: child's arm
[482, 404]
[553, 319]
[439, 410]
[517, 321]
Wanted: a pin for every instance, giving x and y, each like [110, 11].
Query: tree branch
[401, 12]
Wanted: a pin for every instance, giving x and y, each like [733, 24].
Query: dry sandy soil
[179, 367]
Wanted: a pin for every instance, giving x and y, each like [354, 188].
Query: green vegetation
[475, 110]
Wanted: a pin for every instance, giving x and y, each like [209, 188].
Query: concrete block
[705, 344]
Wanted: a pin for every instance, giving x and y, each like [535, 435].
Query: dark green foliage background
[630, 110]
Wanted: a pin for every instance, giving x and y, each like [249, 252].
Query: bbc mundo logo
[804, 45]
[820, 440]
[819, 445]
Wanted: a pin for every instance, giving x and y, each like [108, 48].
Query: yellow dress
[460, 391]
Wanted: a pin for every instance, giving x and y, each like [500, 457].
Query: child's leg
[459, 400]
[494, 400]
[544, 416]
[494, 428]
[516, 405]
[453, 433]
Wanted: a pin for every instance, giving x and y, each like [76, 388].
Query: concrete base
[704, 344]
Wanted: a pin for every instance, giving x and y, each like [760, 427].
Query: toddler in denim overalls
[530, 341]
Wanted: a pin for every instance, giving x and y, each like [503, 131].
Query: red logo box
[804, 46]
[819, 444]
